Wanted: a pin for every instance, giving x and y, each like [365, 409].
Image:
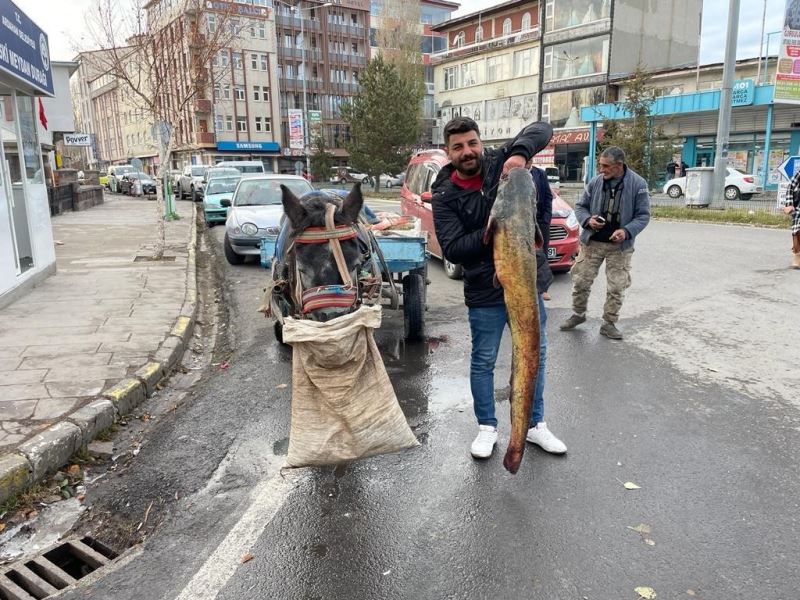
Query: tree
[136, 52]
[384, 120]
[321, 160]
[647, 148]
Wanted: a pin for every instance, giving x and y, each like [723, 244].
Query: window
[228, 123]
[507, 27]
[217, 90]
[211, 21]
[218, 126]
[226, 92]
[479, 34]
[241, 124]
[497, 68]
[267, 125]
[470, 73]
[526, 21]
[526, 62]
[264, 66]
[233, 26]
[450, 78]
[458, 40]
[237, 60]
[354, 48]
[264, 93]
[262, 30]
[223, 58]
[239, 90]
[254, 62]
[259, 125]
[576, 59]
[287, 40]
[256, 93]
[354, 19]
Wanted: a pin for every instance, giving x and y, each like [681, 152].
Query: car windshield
[123, 170]
[197, 171]
[221, 171]
[222, 185]
[251, 169]
[267, 192]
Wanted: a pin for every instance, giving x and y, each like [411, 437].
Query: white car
[390, 181]
[738, 186]
[255, 213]
[349, 175]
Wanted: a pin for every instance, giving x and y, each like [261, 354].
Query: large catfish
[513, 222]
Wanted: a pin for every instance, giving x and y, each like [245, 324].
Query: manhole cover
[53, 570]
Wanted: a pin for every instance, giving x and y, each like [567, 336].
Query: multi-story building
[586, 46]
[490, 71]
[322, 49]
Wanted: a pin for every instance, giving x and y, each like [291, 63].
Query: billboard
[24, 50]
[296, 131]
[787, 77]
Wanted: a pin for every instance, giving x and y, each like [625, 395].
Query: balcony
[296, 85]
[202, 106]
[511, 39]
[293, 22]
[204, 137]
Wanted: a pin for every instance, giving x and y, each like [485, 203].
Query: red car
[415, 199]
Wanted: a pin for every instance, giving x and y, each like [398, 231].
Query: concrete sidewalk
[92, 341]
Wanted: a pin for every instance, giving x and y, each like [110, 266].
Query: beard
[467, 168]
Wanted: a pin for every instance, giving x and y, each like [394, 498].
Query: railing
[204, 137]
[202, 105]
[513, 38]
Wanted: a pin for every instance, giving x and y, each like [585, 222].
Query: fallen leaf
[640, 528]
[647, 593]
[247, 558]
[629, 485]
[282, 386]
[2, 526]
[74, 469]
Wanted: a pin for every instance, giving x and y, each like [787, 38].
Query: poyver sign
[77, 139]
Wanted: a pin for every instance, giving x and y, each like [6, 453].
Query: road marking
[266, 500]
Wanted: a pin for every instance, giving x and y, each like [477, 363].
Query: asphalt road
[698, 407]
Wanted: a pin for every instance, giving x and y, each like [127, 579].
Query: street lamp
[297, 10]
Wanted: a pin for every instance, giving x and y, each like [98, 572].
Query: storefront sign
[546, 157]
[239, 9]
[249, 146]
[575, 136]
[787, 78]
[296, 133]
[24, 50]
[314, 124]
[744, 92]
[77, 139]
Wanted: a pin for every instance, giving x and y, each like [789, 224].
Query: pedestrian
[791, 206]
[614, 209]
[544, 212]
[672, 167]
[463, 195]
[684, 166]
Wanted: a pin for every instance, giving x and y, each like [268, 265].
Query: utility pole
[761, 42]
[725, 96]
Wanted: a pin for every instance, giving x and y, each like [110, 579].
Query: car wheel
[674, 191]
[388, 185]
[732, 193]
[452, 270]
[230, 253]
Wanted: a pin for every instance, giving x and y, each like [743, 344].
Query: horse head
[325, 292]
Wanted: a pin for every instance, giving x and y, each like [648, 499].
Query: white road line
[266, 500]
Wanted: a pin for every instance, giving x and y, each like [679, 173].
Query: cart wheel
[414, 305]
[279, 332]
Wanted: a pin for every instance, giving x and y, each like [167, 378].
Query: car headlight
[249, 228]
[572, 220]
[564, 213]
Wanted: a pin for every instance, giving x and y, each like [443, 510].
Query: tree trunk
[161, 203]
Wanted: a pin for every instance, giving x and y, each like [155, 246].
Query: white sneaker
[542, 437]
[483, 445]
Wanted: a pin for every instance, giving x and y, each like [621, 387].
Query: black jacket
[460, 218]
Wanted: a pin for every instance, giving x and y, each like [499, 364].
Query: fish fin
[487, 233]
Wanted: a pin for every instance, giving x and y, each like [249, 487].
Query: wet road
[696, 407]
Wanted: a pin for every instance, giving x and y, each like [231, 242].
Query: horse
[326, 262]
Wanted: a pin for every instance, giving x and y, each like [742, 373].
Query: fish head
[515, 196]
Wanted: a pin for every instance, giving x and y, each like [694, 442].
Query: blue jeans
[487, 325]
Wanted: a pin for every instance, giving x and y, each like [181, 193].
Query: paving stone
[78, 389]
[11, 351]
[94, 418]
[170, 352]
[22, 376]
[9, 364]
[76, 360]
[52, 408]
[23, 391]
[11, 410]
[126, 395]
[16, 474]
[51, 448]
[48, 349]
[91, 373]
[136, 344]
[36, 339]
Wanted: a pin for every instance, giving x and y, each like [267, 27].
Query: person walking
[463, 195]
[614, 209]
[791, 206]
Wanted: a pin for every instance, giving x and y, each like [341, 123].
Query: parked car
[191, 176]
[738, 186]
[220, 187]
[115, 173]
[415, 199]
[349, 175]
[390, 181]
[553, 176]
[245, 167]
[127, 184]
[199, 189]
[255, 212]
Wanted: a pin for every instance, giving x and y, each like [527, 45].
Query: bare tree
[165, 59]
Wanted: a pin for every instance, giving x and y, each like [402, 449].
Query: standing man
[463, 195]
[791, 206]
[614, 209]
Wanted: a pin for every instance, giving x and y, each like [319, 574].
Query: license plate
[551, 253]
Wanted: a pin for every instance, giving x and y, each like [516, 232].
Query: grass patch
[26, 498]
[729, 215]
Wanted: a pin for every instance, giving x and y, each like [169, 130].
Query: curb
[51, 448]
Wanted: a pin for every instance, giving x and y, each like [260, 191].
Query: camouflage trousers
[618, 276]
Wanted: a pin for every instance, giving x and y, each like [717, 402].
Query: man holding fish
[501, 272]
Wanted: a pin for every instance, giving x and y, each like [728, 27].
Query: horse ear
[351, 206]
[291, 207]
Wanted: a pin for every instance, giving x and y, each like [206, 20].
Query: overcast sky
[64, 22]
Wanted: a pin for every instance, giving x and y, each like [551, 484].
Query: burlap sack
[343, 404]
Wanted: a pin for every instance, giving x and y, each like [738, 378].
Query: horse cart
[401, 258]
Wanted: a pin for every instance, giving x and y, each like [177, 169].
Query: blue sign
[24, 51]
[250, 146]
[744, 92]
[789, 167]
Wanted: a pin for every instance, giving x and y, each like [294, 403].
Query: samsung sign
[251, 146]
[24, 52]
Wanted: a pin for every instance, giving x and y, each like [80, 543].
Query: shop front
[27, 253]
[266, 152]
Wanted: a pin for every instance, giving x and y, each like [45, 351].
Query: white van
[244, 166]
[115, 173]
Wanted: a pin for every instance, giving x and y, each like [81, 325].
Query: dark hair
[615, 153]
[459, 125]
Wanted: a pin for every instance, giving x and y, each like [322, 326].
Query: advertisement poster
[787, 78]
[296, 133]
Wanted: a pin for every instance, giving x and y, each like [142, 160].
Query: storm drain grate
[52, 571]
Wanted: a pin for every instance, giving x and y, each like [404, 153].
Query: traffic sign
[789, 167]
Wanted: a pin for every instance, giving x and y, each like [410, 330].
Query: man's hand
[513, 162]
[618, 236]
[595, 224]
[787, 210]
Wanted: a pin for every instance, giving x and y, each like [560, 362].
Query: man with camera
[614, 209]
